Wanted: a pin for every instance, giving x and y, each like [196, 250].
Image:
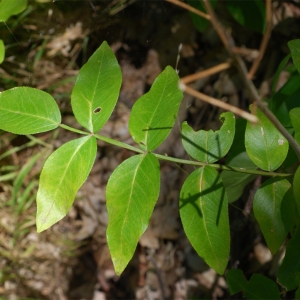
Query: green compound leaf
[209, 146]
[235, 182]
[295, 118]
[131, 194]
[273, 210]
[204, 215]
[2, 51]
[294, 46]
[265, 145]
[153, 115]
[289, 271]
[236, 281]
[11, 7]
[25, 110]
[261, 287]
[97, 88]
[243, 12]
[63, 174]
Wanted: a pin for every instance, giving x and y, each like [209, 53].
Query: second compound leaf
[204, 215]
[63, 174]
[131, 193]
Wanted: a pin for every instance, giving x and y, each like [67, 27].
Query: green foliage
[209, 146]
[154, 114]
[96, 90]
[63, 174]
[294, 46]
[2, 51]
[9, 8]
[265, 145]
[269, 203]
[204, 215]
[134, 186]
[258, 287]
[243, 12]
[25, 110]
[131, 194]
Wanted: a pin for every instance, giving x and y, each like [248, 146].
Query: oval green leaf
[204, 215]
[289, 271]
[11, 7]
[63, 174]
[294, 46]
[153, 115]
[209, 146]
[265, 145]
[97, 88]
[131, 194]
[25, 110]
[296, 187]
[274, 211]
[2, 51]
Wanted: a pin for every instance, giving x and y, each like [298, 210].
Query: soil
[45, 49]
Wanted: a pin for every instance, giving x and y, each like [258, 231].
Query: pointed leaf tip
[63, 174]
[131, 194]
[97, 88]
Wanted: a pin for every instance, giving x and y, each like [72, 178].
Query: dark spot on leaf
[96, 110]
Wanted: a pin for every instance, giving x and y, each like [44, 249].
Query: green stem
[177, 160]
[73, 129]
[219, 167]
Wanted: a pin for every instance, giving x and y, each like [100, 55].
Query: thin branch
[264, 41]
[190, 8]
[205, 73]
[221, 104]
[227, 41]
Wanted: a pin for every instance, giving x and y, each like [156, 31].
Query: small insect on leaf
[97, 110]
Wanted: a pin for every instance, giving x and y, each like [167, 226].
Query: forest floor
[46, 46]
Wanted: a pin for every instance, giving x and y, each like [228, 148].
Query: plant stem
[73, 129]
[173, 159]
[118, 143]
[220, 167]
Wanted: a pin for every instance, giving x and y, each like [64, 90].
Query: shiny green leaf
[153, 115]
[274, 211]
[25, 110]
[209, 146]
[131, 194]
[63, 174]
[265, 145]
[294, 46]
[96, 90]
[2, 51]
[289, 271]
[11, 7]
[261, 288]
[204, 215]
[296, 187]
[235, 182]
